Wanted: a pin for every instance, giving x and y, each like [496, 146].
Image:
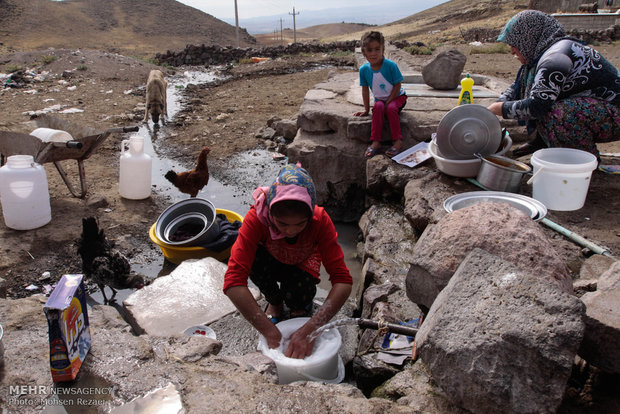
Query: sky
[374, 11]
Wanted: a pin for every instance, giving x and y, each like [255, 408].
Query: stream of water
[256, 167]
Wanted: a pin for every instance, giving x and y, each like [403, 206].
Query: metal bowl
[195, 216]
[533, 208]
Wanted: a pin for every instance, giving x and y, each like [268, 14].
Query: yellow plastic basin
[176, 254]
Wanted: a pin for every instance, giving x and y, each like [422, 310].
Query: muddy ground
[109, 89]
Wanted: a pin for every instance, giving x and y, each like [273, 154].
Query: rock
[337, 167]
[445, 71]
[602, 336]
[386, 179]
[498, 339]
[595, 266]
[498, 228]
[425, 195]
[97, 201]
[286, 128]
[190, 295]
[415, 389]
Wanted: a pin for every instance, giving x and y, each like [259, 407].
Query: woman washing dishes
[282, 242]
[567, 93]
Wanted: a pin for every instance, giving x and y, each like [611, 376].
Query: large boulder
[499, 228]
[444, 72]
[498, 339]
[190, 295]
[600, 344]
[337, 167]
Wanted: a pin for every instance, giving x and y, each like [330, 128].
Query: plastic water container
[51, 135]
[135, 170]
[564, 177]
[24, 193]
[323, 365]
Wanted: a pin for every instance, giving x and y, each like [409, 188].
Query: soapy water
[327, 343]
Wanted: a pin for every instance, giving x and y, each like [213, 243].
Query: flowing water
[331, 325]
[250, 169]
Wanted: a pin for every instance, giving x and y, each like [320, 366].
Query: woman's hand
[273, 338]
[496, 108]
[299, 347]
[361, 113]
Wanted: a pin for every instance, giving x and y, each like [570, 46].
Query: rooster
[102, 263]
[190, 182]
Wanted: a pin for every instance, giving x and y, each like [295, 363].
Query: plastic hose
[564, 231]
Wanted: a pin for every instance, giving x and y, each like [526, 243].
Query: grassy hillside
[135, 27]
[446, 22]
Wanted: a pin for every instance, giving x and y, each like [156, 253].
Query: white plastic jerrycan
[24, 193]
[135, 170]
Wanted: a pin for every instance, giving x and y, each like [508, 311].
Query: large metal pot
[501, 173]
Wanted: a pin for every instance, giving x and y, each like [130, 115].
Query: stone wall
[206, 55]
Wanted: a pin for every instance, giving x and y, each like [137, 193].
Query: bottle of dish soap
[466, 96]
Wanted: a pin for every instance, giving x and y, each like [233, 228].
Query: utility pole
[281, 34]
[237, 24]
[294, 27]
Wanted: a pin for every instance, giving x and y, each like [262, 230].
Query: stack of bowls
[464, 131]
[178, 252]
[188, 222]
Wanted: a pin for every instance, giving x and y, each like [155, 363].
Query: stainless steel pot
[501, 173]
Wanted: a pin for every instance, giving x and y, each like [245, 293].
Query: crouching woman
[283, 241]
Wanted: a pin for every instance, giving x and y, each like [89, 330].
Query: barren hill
[128, 26]
[447, 22]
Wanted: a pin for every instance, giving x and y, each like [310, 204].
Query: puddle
[247, 170]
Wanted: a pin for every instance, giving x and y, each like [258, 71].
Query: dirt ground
[109, 89]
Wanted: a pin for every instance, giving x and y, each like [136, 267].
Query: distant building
[570, 6]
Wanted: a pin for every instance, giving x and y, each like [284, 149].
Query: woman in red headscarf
[281, 244]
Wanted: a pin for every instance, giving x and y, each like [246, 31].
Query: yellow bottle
[466, 96]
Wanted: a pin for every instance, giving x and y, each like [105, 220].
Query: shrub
[489, 49]
[420, 50]
[47, 59]
[82, 67]
[13, 68]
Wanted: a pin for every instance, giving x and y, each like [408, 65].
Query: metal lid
[533, 208]
[467, 130]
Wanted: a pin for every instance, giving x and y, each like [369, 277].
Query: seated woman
[567, 93]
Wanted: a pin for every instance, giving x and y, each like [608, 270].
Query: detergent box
[69, 333]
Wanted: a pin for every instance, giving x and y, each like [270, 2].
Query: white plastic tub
[563, 183]
[461, 168]
[323, 365]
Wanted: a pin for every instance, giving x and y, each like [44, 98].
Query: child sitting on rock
[280, 247]
[384, 78]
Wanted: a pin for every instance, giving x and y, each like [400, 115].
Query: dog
[156, 102]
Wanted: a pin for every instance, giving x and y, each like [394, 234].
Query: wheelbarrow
[85, 142]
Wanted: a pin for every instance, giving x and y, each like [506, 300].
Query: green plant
[420, 50]
[13, 68]
[82, 67]
[47, 59]
[489, 49]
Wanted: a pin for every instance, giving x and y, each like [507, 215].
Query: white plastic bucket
[24, 193]
[323, 365]
[135, 170]
[563, 183]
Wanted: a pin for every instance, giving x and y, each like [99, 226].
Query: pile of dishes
[185, 227]
[189, 222]
[463, 133]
